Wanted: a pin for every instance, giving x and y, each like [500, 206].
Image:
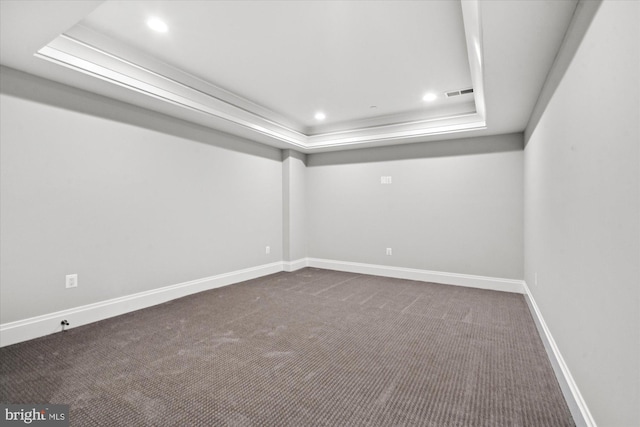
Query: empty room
[320, 213]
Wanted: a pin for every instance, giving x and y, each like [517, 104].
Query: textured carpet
[314, 347]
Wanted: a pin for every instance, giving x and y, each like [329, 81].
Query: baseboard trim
[578, 407]
[297, 264]
[468, 280]
[34, 327]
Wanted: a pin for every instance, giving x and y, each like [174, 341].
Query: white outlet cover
[71, 281]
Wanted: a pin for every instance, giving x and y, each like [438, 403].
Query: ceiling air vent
[458, 92]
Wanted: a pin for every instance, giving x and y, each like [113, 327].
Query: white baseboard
[295, 265]
[579, 410]
[23, 330]
[34, 327]
[471, 281]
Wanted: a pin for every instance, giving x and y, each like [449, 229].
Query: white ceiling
[262, 69]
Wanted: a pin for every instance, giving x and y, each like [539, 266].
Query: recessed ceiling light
[157, 25]
[429, 97]
[320, 115]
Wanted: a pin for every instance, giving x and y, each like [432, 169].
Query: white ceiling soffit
[91, 48]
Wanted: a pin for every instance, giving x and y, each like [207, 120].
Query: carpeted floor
[314, 347]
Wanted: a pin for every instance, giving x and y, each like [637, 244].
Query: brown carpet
[314, 347]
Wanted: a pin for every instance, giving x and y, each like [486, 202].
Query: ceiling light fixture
[157, 25]
[429, 97]
[320, 115]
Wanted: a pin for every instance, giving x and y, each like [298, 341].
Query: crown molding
[94, 54]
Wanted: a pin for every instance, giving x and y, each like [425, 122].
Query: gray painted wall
[453, 206]
[582, 215]
[128, 199]
[294, 196]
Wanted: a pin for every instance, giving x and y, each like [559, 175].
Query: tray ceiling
[265, 69]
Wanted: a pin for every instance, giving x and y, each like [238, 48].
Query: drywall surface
[128, 199]
[582, 215]
[294, 205]
[452, 206]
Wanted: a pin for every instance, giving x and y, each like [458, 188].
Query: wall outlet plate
[71, 281]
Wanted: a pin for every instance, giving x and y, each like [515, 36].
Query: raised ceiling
[263, 69]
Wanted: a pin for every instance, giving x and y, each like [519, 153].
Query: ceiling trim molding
[452, 124]
[473, 34]
[91, 53]
[75, 54]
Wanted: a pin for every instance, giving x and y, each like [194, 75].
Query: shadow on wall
[26, 86]
[448, 148]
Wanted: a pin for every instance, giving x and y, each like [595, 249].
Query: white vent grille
[453, 93]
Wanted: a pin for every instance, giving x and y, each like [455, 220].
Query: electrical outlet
[385, 180]
[389, 251]
[267, 250]
[71, 281]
